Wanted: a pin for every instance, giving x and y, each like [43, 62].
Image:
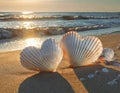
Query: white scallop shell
[108, 54]
[81, 51]
[45, 59]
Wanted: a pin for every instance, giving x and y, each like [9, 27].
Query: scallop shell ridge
[81, 51]
[45, 59]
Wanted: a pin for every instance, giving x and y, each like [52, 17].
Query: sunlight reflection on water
[27, 25]
[19, 44]
[33, 42]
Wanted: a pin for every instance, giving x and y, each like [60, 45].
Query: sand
[16, 79]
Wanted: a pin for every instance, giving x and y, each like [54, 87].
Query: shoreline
[101, 37]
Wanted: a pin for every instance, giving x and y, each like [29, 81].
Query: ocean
[21, 29]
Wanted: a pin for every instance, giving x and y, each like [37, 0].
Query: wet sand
[16, 79]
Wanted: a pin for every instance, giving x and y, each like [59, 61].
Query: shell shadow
[45, 83]
[98, 84]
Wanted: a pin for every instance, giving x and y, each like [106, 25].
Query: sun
[27, 12]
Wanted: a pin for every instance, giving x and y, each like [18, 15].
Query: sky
[60, 5]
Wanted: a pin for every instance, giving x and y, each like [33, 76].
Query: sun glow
[27, 12]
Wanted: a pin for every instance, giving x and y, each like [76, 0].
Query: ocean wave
[33, 17]
[6, 33]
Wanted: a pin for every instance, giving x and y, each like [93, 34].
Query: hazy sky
[60, 5]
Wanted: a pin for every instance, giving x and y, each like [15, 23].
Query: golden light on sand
[31, 42]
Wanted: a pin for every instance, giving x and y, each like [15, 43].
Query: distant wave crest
[4, 17]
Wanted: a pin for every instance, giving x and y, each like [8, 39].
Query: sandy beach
[16, 79]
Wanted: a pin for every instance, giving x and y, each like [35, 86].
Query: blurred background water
[86, 23]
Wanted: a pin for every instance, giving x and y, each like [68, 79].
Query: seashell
[81, 51]
[105, 70]
[90, 76]
[97, 72]
[45, 59]
[107, 54]
[113, 82]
